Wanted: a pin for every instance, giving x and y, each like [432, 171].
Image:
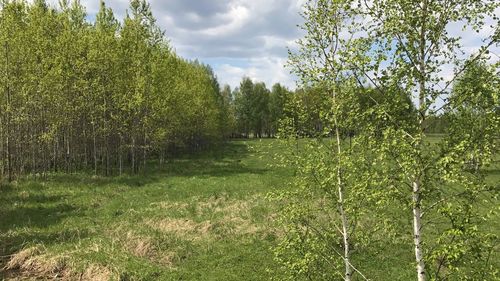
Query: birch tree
[399, 48]
[415, 38]
[326, 167]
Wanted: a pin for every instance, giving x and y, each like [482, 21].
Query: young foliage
[372, 58]
[101, 96]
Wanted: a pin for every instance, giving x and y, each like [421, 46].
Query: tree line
[109, 95]
[102, 95]
[256, 111]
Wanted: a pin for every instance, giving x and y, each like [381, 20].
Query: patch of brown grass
[24, 195]
[145, 247]
[227, 217]
[32, 264]
[182, 227]
[97, 273]
[17, 260]
[168, 205]
[215, 217]
[139, 246]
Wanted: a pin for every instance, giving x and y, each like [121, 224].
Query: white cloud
[239, 37]
[243, 37]
[269, 70]
[236, 18]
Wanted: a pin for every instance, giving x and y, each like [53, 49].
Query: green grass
[202, 217]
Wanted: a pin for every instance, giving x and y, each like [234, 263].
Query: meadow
[202, 217]
[198, 217]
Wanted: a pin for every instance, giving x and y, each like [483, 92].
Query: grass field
[197, 218]
[203, 217]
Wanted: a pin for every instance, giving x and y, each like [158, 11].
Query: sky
[244, 37]
[236, 37]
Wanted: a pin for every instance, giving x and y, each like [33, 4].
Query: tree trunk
[340, 204]
[85, 152]
[416, 184]
[33, 148]
[7, 144]
[120, 158]
[417, 227]
[54, 165]
[343, 216]
[107, 155]
[68, 152]
[1, 150]
[144, 152]
[133, 154]
[94, 147]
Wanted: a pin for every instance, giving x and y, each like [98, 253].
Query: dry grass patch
[139, 246]
[214, 217]
[31, 262]
[242, 226]
[228, 217]
[169, 205]
[144, 247]
[97, 273]
[236, 214]
[182, 227]
[222, 204]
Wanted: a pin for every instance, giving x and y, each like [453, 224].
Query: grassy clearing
[196, 218]
[202, 217]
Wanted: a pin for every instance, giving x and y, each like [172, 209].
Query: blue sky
[244, 37]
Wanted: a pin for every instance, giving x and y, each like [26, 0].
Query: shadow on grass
[224, 161]
[27, 219]
[18, 217]
[27, 214]
[13, 243]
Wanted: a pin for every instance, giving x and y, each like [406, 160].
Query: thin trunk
[107, 155]
[85, 152]
[7, 144]
[8, 148]
[343, 215]
[417, 227]
[94, 147]
[120, 158]
[144, 152]
[33, 148]
[46, 164]
[1, 150]
[54, 165]
[68, 152]
[133, 154]
[417, 186]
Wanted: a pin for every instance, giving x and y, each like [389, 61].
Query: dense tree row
[256, 110]
[103, 95]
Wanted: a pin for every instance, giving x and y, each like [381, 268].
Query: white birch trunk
[417, 212]
[417, 227]
[343, 216]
